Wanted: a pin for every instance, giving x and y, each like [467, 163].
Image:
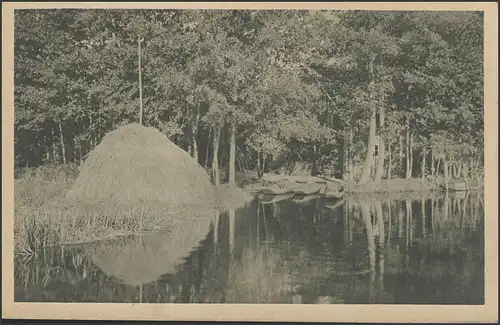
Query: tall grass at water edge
[44, 217]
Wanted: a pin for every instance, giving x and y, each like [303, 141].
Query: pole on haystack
[140, 78]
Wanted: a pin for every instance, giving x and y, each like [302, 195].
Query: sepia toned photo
[184, 158]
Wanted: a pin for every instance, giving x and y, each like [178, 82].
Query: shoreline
[44, 218]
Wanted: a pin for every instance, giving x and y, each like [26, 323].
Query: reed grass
[44, 216]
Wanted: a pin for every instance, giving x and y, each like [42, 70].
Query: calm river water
[358, 251]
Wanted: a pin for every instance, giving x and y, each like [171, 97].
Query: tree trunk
[458, 170]
[350, 155]
[98, 130]
[407, 147]
[215, 156]
[401, 156]
[74, 150]
[47, 152]
[446, 206]
[465, 171]
[372, 133]
[36, 159]
[453, 170]
[140, 78]
[365, 174]
[423, 163]
[63, 148]
[389, 168]
[195, 149]
[194, 136]
[232, 155]
[446, 173]
[345, 155]
[216, 228]
[263, 163]
[411, 154]
[80, 153]
[259, 170]
[381, 147]
[91, 132]
[54, 147]
[433, 169]
[207, 150]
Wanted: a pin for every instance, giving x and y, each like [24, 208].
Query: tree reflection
[366, 215]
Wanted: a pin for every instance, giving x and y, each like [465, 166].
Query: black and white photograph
[175, 156]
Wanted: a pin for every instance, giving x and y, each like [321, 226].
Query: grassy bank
[44, 217]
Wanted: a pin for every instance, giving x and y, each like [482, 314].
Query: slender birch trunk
[207, 149]
[465, 171]
[194, 136]
[91, 132]
[446, 173]
[367, 166]
[345, 155]
[433, 169]
[411, 153]
[423, 163]
[350, 155]
[63, 148]
[54, 147]
[381, 147]
[259, 170]
[389, 168]
[215, 156]
[232, 155]
[372, 133]
[140, 78]
[401, 155]
[407, 147]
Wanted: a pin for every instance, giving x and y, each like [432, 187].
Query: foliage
[289, 81]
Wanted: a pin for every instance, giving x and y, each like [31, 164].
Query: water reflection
[282, 251]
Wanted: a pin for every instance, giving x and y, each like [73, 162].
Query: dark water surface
[415, 251]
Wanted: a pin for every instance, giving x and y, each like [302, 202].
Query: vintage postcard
[319, 162]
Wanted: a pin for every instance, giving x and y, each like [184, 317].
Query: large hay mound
[136, 164]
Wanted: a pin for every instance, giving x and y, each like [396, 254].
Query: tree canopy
[333, 87]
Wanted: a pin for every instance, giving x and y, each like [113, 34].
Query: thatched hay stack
[136, 164]
[143, 259]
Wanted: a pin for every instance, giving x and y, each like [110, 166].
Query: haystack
[136, 164]
[143, 259]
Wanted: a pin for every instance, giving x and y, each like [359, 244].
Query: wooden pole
[140, 78]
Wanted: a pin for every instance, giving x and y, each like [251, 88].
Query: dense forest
[364, 95]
